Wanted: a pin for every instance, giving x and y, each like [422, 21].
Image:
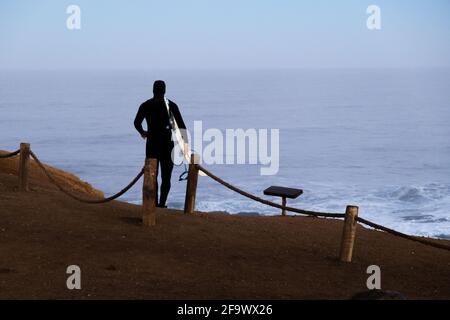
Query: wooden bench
[284, 193]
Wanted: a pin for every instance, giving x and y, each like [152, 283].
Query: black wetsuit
[159, 137]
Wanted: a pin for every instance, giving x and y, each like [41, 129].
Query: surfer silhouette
[160, 114]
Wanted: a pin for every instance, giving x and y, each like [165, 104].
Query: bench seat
[284, 193]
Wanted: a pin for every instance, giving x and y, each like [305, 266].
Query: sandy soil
[206, 256]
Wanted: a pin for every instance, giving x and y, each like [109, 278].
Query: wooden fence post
[149, 193]
[23, 166]
[348, 234]
[191, 186]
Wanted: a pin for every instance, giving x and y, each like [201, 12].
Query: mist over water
[378, 139]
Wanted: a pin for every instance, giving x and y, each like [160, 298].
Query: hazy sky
[223, 34]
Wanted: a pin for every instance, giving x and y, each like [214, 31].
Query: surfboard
[178, 137]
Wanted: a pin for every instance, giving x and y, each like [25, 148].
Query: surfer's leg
[166, 174]
[156, 190]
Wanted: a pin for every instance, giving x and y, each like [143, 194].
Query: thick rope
[9, 155]
[267, 202]
[322, 214]
[113, 197]
[241, 192]
[403, 235]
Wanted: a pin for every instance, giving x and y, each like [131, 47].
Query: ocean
[378, 139]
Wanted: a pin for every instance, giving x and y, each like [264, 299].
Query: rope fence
[403, 235]
[149, 171]
[320, 214]
[84, 200]
[10, 155]
[267, 202]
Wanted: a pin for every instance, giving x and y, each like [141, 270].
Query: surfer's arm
[179, 119]
[138, 121]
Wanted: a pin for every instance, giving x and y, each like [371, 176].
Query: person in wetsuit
[159, 135]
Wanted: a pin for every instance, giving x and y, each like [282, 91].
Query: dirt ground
[206, 256]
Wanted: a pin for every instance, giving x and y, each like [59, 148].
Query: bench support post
[283, 203]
